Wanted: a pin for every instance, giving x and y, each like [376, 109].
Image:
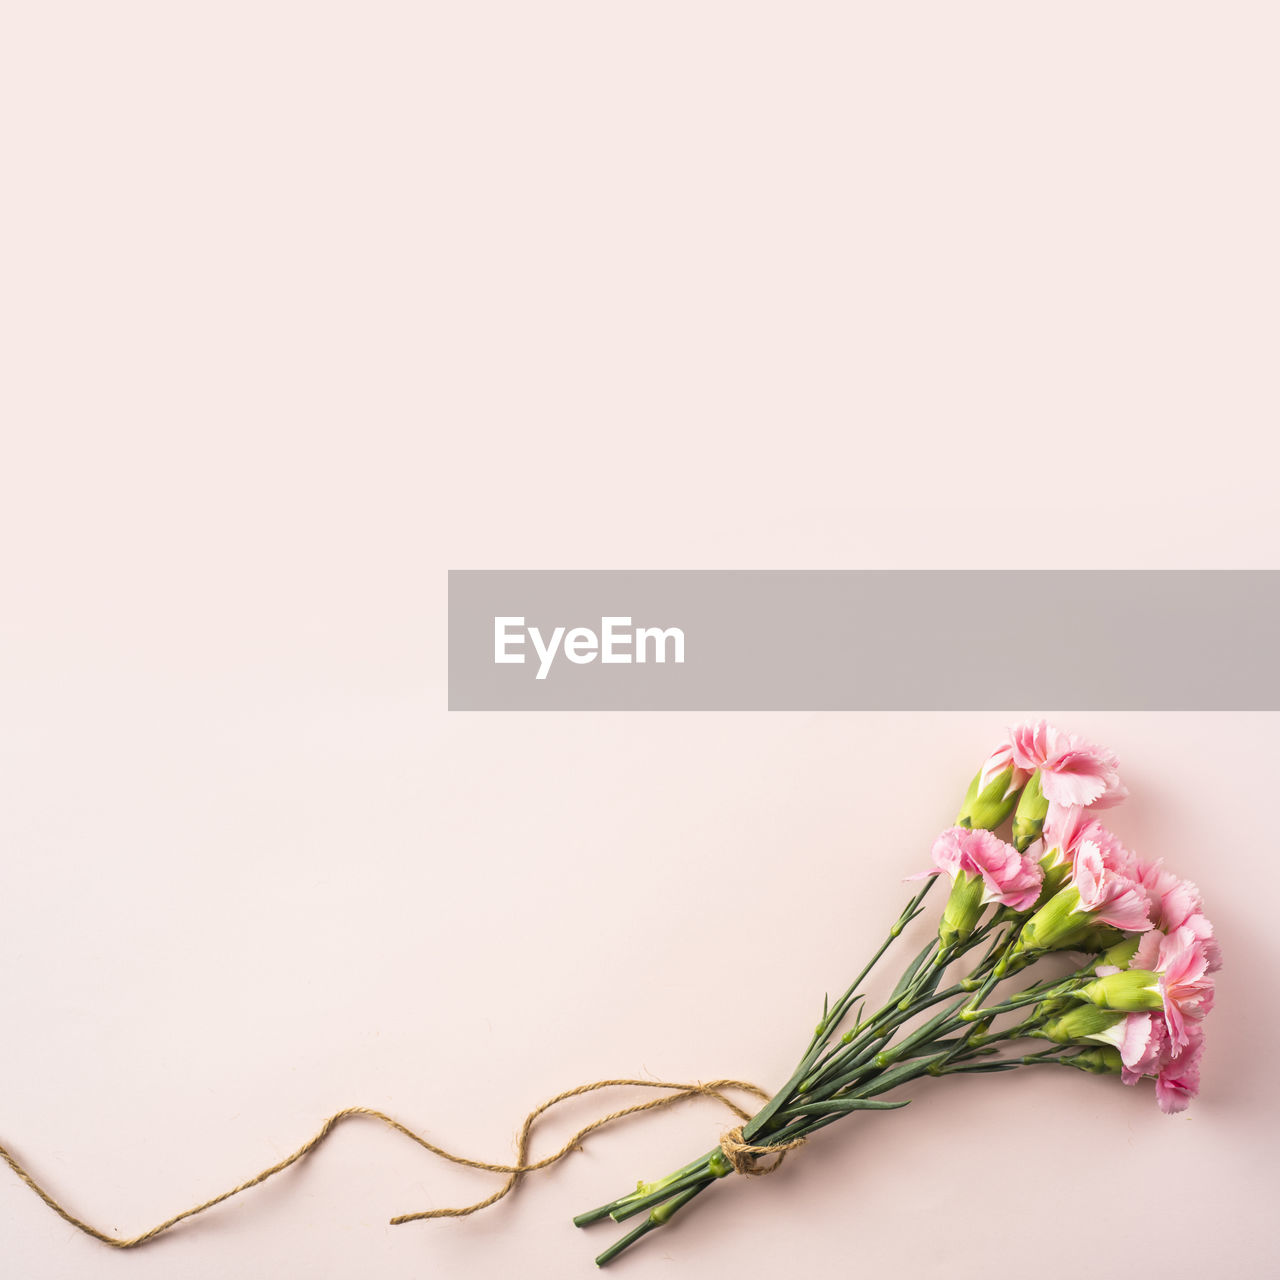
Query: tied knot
[744, 1156]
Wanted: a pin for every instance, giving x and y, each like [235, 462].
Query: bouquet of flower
[1133, 1005]
[1062, 886]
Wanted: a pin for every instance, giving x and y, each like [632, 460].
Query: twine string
[746, 1156]
[741, 1155]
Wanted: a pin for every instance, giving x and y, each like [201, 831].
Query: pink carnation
[1179, 1079]
[1067, 827]
[1173, 900]
[1064, 828]
[1168, 1044]
[1009, 877]
[1202, 930]
[1144, 1045]
[1072, 771]
[1147, 1050]
[1176, 904]
[1107, 891]
[996, 763]
[1182, 963]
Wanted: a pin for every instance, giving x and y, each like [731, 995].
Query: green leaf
[837, 1106]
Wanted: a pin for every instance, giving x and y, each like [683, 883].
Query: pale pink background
[304, 304]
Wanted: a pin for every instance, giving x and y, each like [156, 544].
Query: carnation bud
[1102, 1061]
[1058, 924]
[1099, 938]
[986, 807]
[1056, 1006]
[1121, 953]
[1028, 818]
[1079, 1024]
[1056, 872]
[1130, 990]
[964, 906]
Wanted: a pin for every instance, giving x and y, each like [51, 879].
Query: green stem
[832, 1019]
[916, 991]
[713, 1165]
[644, 1189]
[833, 1080]
[842, 1067]
[1031, 996]
[659, 1217]
[1048, 1057]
